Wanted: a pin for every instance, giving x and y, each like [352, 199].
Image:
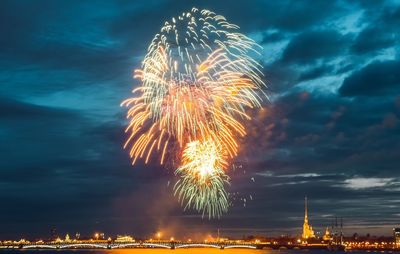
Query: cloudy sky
[330, 131]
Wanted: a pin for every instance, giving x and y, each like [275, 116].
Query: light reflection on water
[189, 250]
[150, 251]
[144, 251]
[178, 251]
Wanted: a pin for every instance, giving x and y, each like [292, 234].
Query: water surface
[176, 251]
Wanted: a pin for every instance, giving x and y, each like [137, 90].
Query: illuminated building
[124, 238]
[396, 234]
[327, 236]
[308, 231]
[67, 239]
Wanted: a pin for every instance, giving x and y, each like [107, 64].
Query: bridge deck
[167, 245]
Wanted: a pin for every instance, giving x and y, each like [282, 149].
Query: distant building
[124, 238]
[308, 231]
[327, 236]
[396, 235]
[58, 240]
[223, 239]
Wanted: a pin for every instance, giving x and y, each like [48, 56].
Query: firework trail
[197, 79]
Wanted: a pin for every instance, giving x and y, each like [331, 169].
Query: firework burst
[196, 81]
[202, 178]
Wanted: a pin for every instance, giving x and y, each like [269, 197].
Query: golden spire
[305, 210]
[308, 231]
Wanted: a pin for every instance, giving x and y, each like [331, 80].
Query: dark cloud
[311, 46]
[372, 39]
[306, 132]
[272, 37]
[12, 109]
[391, 16]
[380, 34]
[316, 72]
[377, 78]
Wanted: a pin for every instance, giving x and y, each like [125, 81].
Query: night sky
[331, 129]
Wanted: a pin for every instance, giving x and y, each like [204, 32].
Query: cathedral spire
[308, 231]
[305, 209]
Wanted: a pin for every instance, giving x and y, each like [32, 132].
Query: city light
[333, 239]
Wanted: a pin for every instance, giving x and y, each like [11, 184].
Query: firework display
[197, 79]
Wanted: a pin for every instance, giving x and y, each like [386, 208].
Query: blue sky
[330, 131]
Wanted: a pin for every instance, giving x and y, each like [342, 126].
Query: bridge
[161, 244]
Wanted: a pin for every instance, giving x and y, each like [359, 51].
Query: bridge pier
[222, 247]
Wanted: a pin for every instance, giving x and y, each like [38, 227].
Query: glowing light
[197, 79]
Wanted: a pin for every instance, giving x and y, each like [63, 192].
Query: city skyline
[306, 232]
[330, 130]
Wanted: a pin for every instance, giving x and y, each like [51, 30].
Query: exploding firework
[202, 181]
[197, 79]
